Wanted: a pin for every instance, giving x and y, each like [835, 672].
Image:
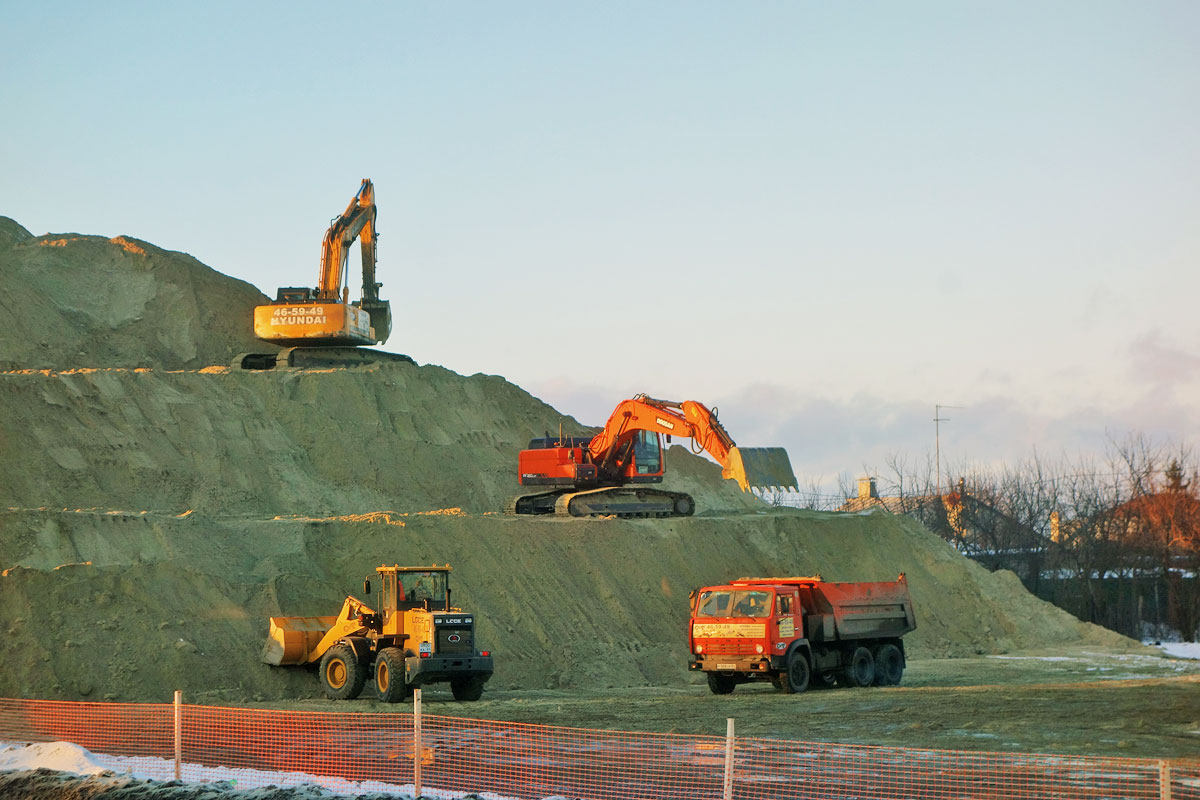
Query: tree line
[1114, 539]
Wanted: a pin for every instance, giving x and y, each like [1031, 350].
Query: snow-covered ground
[1181, 649]
[68, 757]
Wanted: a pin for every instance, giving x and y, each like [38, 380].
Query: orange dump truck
[800, 631]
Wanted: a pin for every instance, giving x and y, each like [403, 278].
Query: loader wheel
[889, 665]
[720, 684]
[389, 676]
[341, 675]
[795, 678]
[467, 689]
[860, 671]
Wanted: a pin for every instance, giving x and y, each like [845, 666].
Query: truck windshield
[734, 603]
[421, 586]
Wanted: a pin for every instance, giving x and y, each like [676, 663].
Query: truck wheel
[340, 674]
[795, 678]
[389, 676]
[720, 684]
[889, 665]
[467, 689]
[824, 679]
[860, 671]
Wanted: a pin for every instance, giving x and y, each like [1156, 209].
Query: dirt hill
[87, 301]
[155, 510]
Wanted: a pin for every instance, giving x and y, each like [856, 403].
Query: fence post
[178, 734]
[727, 787]
[417, 748]
[1164, 780]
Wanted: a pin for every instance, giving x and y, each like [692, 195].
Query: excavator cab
[295, 294]
[647, 463]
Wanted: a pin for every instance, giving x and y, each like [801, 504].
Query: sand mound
[156, 518]
[87, 301]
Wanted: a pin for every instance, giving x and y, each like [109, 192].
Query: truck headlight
[699, 648]
[758, 648]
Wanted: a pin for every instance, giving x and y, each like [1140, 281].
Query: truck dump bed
[870, 610]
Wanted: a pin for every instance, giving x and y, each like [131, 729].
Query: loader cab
[402, 588]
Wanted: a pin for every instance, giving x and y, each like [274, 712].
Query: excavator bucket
[760, 468]
[292, 640]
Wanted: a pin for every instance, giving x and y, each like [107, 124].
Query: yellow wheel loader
[416, 637]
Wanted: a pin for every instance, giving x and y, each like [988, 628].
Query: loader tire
[794, 679]
[467, 690]
[389, 676]
[720, 684]
[341, 675]
[889, 665]
[860, 669]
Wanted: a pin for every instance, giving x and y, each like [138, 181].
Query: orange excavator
[608, 474]
[321, 326]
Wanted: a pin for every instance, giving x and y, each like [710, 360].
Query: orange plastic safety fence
[360, 752]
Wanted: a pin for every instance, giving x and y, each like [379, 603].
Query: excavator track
[317, 358]
[627, 502]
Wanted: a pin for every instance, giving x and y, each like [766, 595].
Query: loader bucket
[292, 639]
[760, 468]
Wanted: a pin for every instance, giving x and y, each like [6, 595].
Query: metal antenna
[938, 419]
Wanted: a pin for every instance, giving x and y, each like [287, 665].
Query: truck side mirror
[366, 586]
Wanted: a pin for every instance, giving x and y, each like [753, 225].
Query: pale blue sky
[822, 217]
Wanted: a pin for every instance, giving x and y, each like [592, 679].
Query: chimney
[866, 489]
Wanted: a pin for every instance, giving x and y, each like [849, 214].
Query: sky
[823, 219]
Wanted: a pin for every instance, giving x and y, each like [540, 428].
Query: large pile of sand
[151, 520]
[87, 301]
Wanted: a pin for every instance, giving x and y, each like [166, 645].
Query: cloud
[1160, 363]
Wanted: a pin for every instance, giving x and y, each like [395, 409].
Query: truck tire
[796, 675]
[823, 679]
[389, 676]
[860, 669]
[467, 690]
[889, 665]
[720, 684]
[341, 675]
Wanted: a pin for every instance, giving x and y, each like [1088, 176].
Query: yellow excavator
[321, 326]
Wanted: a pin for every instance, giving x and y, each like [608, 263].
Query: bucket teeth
[760, 468]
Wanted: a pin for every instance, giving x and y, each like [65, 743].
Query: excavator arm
[356, 222]
[642, 413]
[610, 449]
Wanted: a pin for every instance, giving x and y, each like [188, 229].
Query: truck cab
[799, 630]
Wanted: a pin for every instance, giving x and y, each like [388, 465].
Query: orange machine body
[327, 322]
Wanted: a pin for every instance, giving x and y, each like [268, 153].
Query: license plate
[726, 666]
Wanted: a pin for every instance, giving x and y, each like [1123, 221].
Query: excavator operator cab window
[647, 453]
[295, 294]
